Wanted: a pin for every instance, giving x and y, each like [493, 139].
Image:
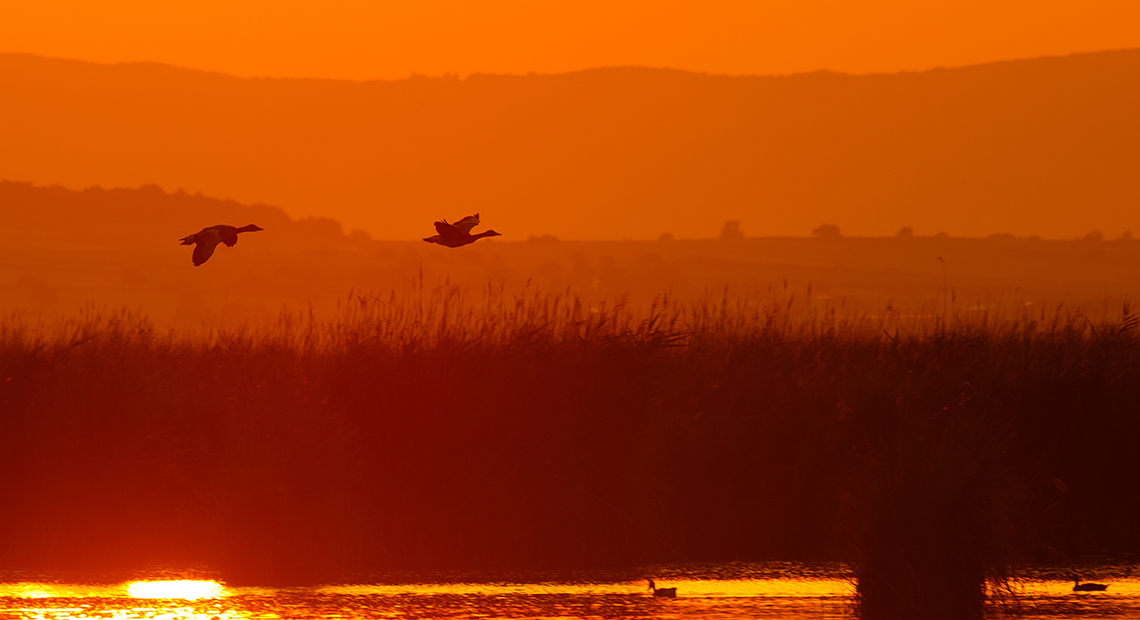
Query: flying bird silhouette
[459, 233]
[205, 240]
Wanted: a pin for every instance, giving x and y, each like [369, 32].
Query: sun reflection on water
[208, 600]
[182, 589]
[140, 600]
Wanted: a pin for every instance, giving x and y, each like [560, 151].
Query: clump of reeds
[955, 482]
[935, 502]
[447, 428]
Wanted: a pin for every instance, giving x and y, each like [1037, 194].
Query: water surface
[713, 594]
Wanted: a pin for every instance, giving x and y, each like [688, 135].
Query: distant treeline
[464, 431]
[38, 215]
[64, 249]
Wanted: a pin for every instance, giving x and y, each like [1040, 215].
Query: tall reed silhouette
[350, 445]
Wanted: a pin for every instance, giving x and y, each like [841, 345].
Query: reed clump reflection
[461, 429]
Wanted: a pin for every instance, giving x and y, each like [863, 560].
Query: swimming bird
[1087, 587]
[205, 240]
[662, 592]
[459, 233]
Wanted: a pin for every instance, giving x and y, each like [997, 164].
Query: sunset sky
[381, 39]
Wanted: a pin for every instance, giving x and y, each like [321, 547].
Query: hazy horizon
[64, 251]
[897, 232]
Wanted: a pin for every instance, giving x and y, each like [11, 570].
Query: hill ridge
[1040, 147]
[587, 70]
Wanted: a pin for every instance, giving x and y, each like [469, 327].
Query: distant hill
[143, 218]
[1044, 146]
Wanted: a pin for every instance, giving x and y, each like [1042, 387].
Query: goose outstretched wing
[228, 234]
[467, 223]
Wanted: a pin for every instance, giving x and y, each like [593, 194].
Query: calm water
[770, 592]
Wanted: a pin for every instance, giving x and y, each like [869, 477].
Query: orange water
[708, 599]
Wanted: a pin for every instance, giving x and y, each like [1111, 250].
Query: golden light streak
[184, 589]
[732, 588]
[25, 589]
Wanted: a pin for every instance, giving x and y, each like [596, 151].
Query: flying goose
[205, 240]
[459, 233]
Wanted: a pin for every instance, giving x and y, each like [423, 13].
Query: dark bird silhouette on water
[459, 233]
[662, 592]
[205, 240]
[1087, 587]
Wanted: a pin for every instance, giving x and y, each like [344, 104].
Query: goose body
[662, 592]
[205, 240]
[459, 233]
[1088, 587]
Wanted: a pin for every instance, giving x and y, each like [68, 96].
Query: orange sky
[369, 39]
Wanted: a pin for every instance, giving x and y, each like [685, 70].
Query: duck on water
[662, 592]
[459, 233]
[1087, 587]
[205, 240]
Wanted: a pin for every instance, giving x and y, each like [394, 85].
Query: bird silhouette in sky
[459, 233]
[205, 240]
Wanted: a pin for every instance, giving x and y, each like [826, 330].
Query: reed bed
[934, 448]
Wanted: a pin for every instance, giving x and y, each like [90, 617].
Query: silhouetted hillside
[144, 218]
[1043, 146]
